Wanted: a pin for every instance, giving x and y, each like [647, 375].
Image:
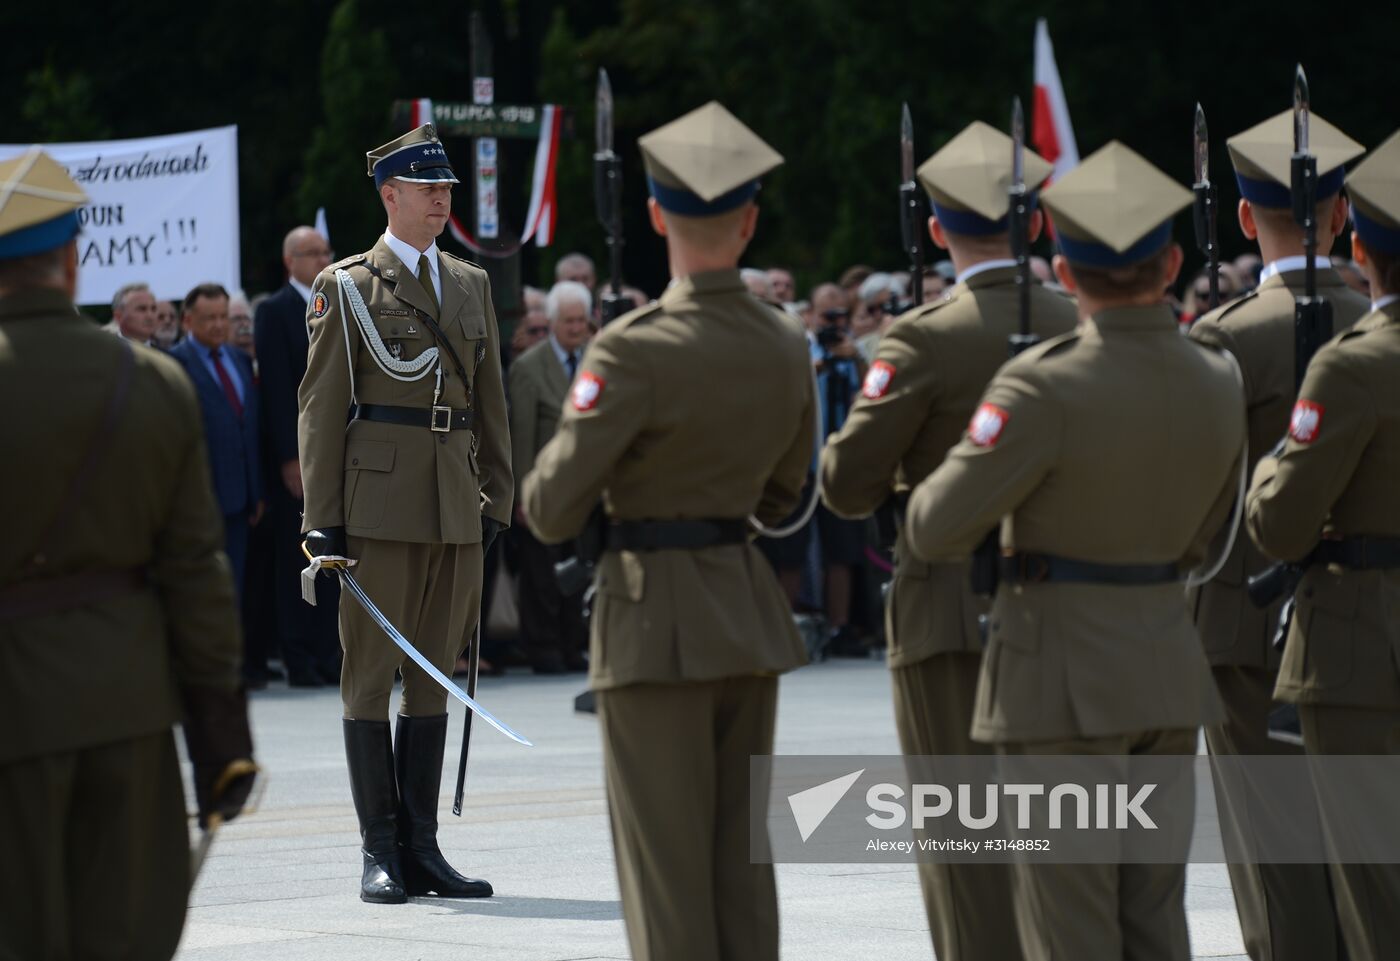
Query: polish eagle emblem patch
[587, 389]
[1306, 421]
[877, 380]
[320, 306]
[986, 425]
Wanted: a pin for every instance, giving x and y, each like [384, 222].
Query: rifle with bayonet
[911, 219]
[607, 196]
[1204, 209]
[985, 573]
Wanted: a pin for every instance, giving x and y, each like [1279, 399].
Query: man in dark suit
[223, 381]
[308, 635]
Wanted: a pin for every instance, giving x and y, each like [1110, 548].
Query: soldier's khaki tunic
[90, 794]
[1286, 911]
[1120, 444]
[699, 406]
[940, 358]
[1340, 663]
[410, 499]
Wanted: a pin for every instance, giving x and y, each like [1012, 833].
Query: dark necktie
[229, 390]
[571, 362]
[425, 277]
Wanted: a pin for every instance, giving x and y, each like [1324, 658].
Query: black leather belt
[1359, 553]
[1025, 568]
[686, 535]
[441, 419]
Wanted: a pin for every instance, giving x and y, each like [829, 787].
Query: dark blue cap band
[678, 200]
[425, 161]
[1271, 193]
[1093, 254]
[1374, 234]
[37, 238]
[971, 224]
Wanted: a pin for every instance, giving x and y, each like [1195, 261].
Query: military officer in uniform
[1328, 501]
[117, 610]
[1110, 456]
[413, 489]
[922, 388]
[1285, 910]
[688, 417]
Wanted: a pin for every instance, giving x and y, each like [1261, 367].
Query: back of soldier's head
[38, 223]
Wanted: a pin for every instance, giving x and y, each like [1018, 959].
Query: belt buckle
[440, 419]
[1035, 568]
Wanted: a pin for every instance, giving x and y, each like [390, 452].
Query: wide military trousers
[676, 760]
[1368, 895]
[1286, 910]
[1104, 912]
[98, 847]
[969, 906]
[432, 594]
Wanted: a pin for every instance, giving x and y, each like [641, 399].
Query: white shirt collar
[410, 254]
[559, 351]
[984, 266]
[1298, 262]
[300, 288]
[1384, 302]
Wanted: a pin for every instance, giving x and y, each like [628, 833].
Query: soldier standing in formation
[922, 388]
[690, 628]
[1285, 910]
[414, 490]
[1109, 456]
[1328, 501]
[117, 611]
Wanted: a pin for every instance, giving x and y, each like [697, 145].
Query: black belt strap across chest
[440, 419]
[1360, 553]
[1029, 568]
[683, 535]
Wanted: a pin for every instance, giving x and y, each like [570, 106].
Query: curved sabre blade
[407, 647]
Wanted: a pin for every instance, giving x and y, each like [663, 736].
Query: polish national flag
[1051, 132]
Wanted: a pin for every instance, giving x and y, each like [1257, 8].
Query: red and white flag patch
[986, 425]
[1306, 421]
[877, 380]
[587, 389]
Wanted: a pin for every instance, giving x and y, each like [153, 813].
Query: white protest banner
[161, 210]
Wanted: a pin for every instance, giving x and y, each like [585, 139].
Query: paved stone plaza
[282, 885]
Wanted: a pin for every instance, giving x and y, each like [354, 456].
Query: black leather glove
[490, 527]
[221, 749]
[326, 542]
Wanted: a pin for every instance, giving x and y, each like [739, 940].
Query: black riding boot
[369, 754]
[418, 748]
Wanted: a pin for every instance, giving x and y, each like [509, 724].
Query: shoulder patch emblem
[877, 380]
[320, 305]
[1306, 422]
[986, 425]
[587, 389]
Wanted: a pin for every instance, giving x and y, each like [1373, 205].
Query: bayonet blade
[604, 119]
[1018, 145]
[1202, 145]
[906, 147]
[1301, 109]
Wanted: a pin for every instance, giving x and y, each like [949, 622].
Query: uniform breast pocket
[368, 466]
[403, 334]
[1327, 614]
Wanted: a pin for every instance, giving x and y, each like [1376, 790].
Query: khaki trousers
[98, 846]
[1286, 911]
[1368, 895]
[1103, 912]
[432, 594]
[968, 905]
[676, 759]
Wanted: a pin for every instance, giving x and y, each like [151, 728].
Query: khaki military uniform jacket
[1258, 330]
[389, 481]
[1118, 444]
[1344, 643]
[698, 406]
[941, 357]
[112, 669]
[538, 387]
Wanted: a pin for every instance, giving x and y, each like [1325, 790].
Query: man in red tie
[223, 379]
